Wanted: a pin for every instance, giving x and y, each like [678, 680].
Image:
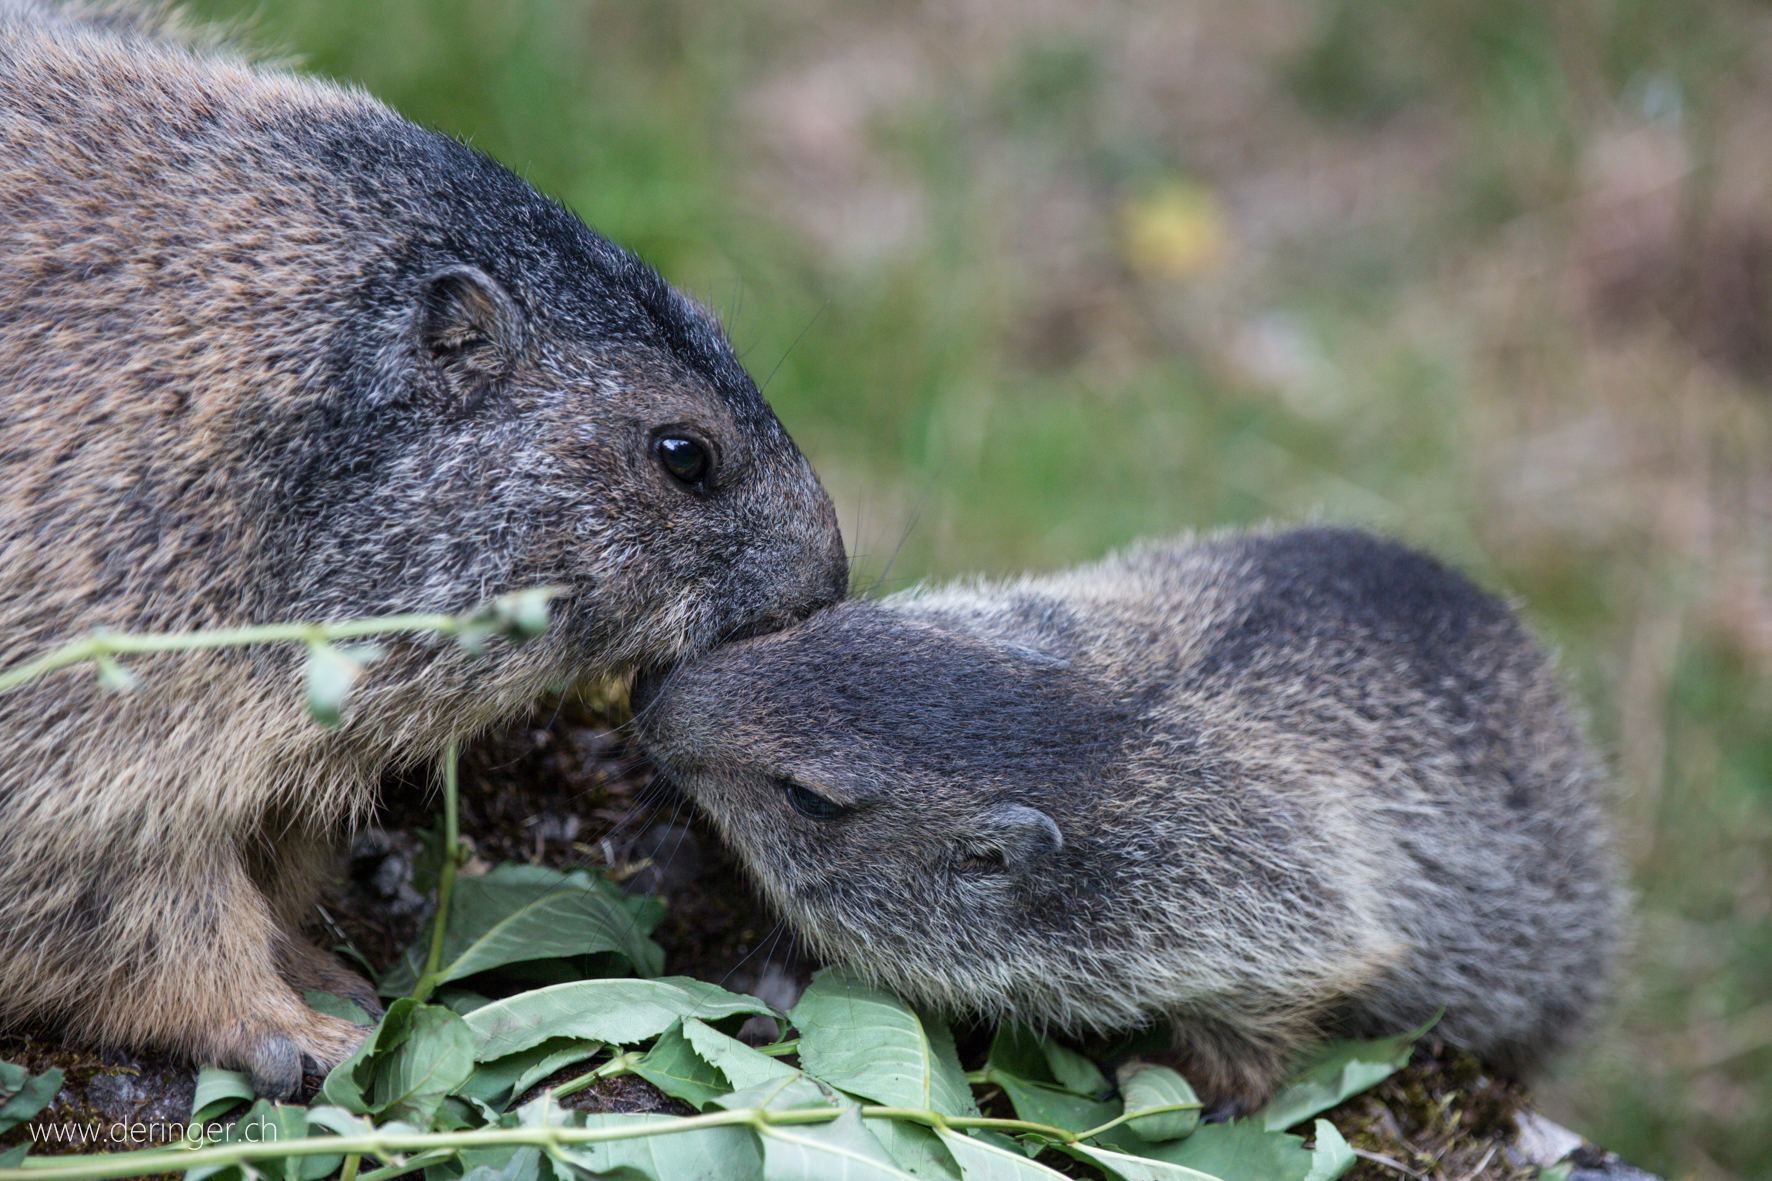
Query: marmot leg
[199, 971]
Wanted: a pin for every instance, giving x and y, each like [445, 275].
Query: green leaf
[1332, 1156]
[1339, 1070]
[1023, 1053]
[24, 1096]
[271, 1123]
[219, 1092]
[842, 1150]
[1125, 1167]
[616, 1010]
[1145, 1085]
[784, 1094]
[329, 675]
[675, 1067]
[339, 1121]
[1073, 1071]
[13, 1157]
[520, 913]
[334, 1005]
[1041, 1104]
[983, 1160]
[522, 1163]
[702, 1154]
[417, 1055]
[917, 1149]
[743, 1066]
[524, 614]
[496, 1084]
[866, 1041]
[1242, 1151]
[113, 676]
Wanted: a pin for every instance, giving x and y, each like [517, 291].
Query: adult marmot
[269, 352]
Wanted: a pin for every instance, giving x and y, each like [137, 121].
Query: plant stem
[129, 644]
[620, 1064]
[1132, 1115]
[384, 1146]
[451, 855]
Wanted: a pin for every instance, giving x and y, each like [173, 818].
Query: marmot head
[925, 805]
[497, 397]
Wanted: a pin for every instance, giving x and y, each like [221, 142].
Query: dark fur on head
[269, 352]
[1263, 786]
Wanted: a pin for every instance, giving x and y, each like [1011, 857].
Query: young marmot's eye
[684, 458]
[809, 803]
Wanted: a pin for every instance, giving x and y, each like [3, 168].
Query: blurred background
[1028, 280]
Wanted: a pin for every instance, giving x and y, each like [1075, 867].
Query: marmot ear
[1016, 836]
[470, 333]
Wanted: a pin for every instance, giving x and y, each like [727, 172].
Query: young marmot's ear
[470, 332]
[1012, 839]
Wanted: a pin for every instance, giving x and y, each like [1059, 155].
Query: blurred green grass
[1027, 285]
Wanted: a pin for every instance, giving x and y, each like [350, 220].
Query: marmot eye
[809, 803]
[684, 458]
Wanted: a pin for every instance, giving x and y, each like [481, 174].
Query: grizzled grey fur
[269, 352]
[1264, 787]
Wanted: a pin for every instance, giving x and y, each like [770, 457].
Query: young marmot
[1262, 787]
[270, 353]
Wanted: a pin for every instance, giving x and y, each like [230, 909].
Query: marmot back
[270, 353]
[1266, 787]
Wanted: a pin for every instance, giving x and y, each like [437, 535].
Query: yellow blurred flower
[1175, 232]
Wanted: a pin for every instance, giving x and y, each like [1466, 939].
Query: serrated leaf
[1148, 1085]
[866, 1041]
[1121, 1166]
[24, 1095]
[1332, 1155]
[1337, 1071]
[675, 1067]
[219, 1092]
[842, 1150]
[702, 1154]
[983, 1160]
[619, 1011]
[743, 1066]
[1241, 1151]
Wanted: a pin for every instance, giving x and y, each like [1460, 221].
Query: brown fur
[1261, 787]
[268, 353]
